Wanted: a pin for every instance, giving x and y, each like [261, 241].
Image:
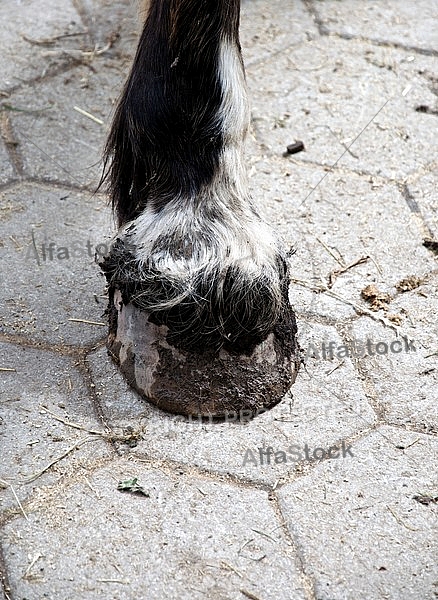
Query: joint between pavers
[10, 184]
[383, 43]
[366, 383]
[11, 144]
[62, 349]
[51, 72]
[298, 555]
[172, 466]
[415, 209]
[312, 318]
[337, 168]
[311, 9]
[59, 184]
[84, 368]
[360, 310]
[310, 468]
[415, 428]
[420, 172]
[86, 19]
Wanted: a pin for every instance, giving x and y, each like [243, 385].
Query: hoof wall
[205, 384]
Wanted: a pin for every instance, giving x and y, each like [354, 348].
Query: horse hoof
[214, 384]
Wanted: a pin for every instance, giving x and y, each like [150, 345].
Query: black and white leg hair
[192, 251]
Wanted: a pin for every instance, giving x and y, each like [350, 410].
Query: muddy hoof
[209, 384]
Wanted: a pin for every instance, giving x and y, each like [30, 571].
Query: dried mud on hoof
[207, 384]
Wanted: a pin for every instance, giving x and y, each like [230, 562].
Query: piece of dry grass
[334, 274]
[86, 322]
[129, 436]
[4, 485]
[87, 114]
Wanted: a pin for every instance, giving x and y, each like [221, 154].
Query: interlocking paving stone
[325, 92]
[405, 382]
[191, 537]
[37, 299]
[267, 28]
[55, 140]
[23, 58]
[30, 438]
[359, 529]
[381, 225]
[404, 23]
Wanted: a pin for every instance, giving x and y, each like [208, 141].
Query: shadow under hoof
[203, 383]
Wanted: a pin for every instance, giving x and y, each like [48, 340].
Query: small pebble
[297, 146]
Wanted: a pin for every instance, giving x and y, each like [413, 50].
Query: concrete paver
[363, 530]
[351, 82]
[269, 28]
[73, 150]
[189, 538]
[409, 373]
[392, 22]
[31, 438]
[47, 235]
[24, 25]
[422, 191]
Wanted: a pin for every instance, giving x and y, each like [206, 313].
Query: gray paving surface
[215, 522]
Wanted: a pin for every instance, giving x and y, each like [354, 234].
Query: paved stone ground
[215, 523]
